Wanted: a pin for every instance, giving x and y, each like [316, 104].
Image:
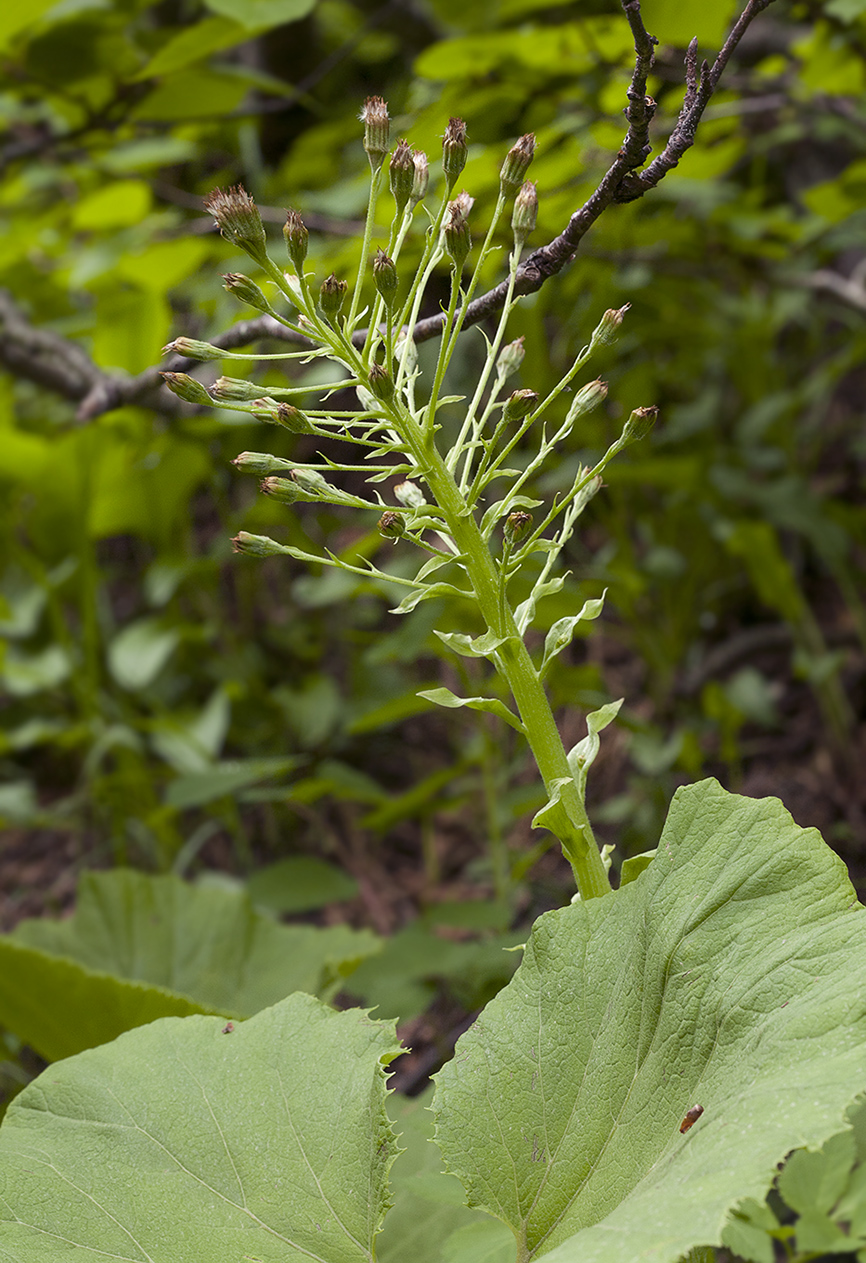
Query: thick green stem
[568, 820]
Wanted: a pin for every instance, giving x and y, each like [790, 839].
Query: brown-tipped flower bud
[639, 424]
[381, 385]
[525, 215]
[377, 129]
[607, 329]
[284, 414]
[282, 489]
[410, 494]
[421, 178]
[246, 291]
[194, 350]
[516, 525]
[186, 388]
[456, 230]
[385, 278]
[587, 398]
[235, 388]
[260, 463]
[454, 151]
[391, 525]
[519, 404]
[402, 175]
[239, 221]
[510, 358]
[332, 295]
[297, 239]
[516, 165]
[256, 545]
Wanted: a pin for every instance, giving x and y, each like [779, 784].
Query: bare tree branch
[59, 365]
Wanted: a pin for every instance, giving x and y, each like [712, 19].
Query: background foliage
[167, 706]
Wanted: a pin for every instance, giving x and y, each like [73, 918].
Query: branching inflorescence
[460, 503]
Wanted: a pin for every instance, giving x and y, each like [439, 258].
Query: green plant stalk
[569, 820]
[365, 247]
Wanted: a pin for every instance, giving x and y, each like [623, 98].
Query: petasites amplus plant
[661, 1049]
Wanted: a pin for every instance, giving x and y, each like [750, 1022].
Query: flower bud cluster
[516, 165]
[247, 291]
[238, 219]
[455, 151]
[401, 171]
[606, 331]
[525, 215]
[194, 350]
[587, 398]
[385, 278]
[186, 388]
[639, 424]
[284, 414]
[519, 404]
[332, 295]
[297, 239]
[377, 130]
[391, 524]
[257, 545]
[510, 358]
[455, 228]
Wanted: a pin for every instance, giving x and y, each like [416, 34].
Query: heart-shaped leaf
[139, 947]
[193, 1141]
[730, 974]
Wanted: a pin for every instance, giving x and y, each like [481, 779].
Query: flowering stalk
[471, 547]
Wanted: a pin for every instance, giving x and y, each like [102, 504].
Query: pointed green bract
[195, 1143]
[138, 948]
[729, 975]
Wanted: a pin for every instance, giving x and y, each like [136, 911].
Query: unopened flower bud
[525, 215]
[284, 414]
[235, 388]
[381, 385]
[639, 424]
[409, 494]
[519, 404]
[239, 221]
[260, 463]
[457, 239]
[587, 398]
[516, 525]
[246, 291]
[454, 151]
[311, 481]
[297, 239]
[194, 350]
[391, 525]
[332, 295]
[377, 129]
[510, 358]
[402, 175]
[421, 178]
[256, 545]
[282, 489]
[516, 165]
[385, 278]
[186, 388]
[607, 330]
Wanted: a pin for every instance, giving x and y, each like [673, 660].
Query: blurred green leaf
[259, 14]
[139, 652]
[300, 884]
[140, 947]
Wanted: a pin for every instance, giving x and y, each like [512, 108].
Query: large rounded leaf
[732, 975]
[140, 947]
[187, 1141]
